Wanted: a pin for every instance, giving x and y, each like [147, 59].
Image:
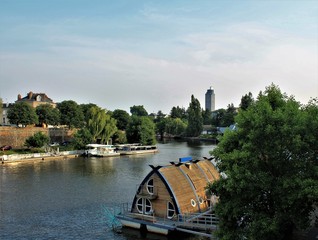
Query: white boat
[130, 149]
[100, 150]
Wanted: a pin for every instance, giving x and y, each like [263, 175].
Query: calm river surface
[65, 199]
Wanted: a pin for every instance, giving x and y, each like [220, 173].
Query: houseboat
[174, 198]
[100, 150]
[131, 149]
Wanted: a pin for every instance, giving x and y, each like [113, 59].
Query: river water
[66, 199]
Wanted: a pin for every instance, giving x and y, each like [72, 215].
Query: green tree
[22, 113]
[178, 112]
[122, 117]
[195, 120]
[47, 114]
[228, 118]
[207, 117]
[161, 126]
[38, 140]
[270, 169]
[101, 125]
[81, 138]
[175, 127]
[71, 114]
[85, 109]
[139, 111]
[141, 130]
[120, 137]
[246, 101]
[217, 117]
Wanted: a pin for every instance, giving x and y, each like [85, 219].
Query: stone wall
[16, 136]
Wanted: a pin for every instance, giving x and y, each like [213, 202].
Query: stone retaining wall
[16, 136]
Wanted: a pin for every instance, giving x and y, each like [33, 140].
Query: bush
[38, 140]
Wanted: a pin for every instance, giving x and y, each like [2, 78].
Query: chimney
[30, 95]
[19, 97]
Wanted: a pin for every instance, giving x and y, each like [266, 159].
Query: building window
[193, 203]
[170, 210]
[150, 186]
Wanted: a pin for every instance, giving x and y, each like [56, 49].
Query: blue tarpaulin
[185, 159]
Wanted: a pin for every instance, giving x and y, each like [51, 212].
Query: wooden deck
[202, 224]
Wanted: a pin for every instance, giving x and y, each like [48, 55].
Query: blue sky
[157, 53]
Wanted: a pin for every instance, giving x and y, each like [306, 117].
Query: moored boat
[101, 150]
[131, 149]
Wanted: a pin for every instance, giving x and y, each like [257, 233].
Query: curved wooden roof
[184, 184]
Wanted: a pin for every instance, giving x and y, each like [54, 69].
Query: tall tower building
[210, 99]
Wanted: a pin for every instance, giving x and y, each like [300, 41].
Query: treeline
[95, 124]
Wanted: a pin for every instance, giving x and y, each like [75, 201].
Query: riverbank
[19, 158]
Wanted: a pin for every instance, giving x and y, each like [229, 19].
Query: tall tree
[122, 117]
[195, 120]
[207, 117]
[85, 109]
[71, 114]
[101, 125]
[47, 114]
[217, 117]
[246, 101]
[271, 169]
[22, 113]
[139, 111]
[178, 112]
[141, 130]
[228, 118]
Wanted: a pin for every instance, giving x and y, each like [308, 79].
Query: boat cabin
[178, 188]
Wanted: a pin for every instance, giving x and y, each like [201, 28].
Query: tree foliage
[270, 163]
[195, 119]
[37, 140]
[47, 114]
[85, 109]
[224, 117]
[81, 138]
[175, 127]
[207, 117]
[139, 111]
[22, 113]
[141, 130]
[101, 125]
[246, 101]
[122, 117]
[178, 112]
[71, 114]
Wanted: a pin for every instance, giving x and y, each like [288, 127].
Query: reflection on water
[63, 199]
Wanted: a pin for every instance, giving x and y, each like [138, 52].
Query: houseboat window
[139, 205]
[170, 210]
[193, 203]
[150, 186]
[148, 206]
[144, 206]
[201, 200]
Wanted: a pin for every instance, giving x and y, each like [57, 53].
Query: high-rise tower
[210, 99]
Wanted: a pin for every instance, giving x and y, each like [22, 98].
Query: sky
[122, 53]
